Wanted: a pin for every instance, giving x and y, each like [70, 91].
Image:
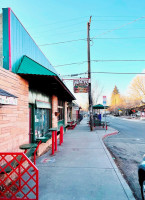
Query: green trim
[29, 66]
[32, 106]
[61, 123]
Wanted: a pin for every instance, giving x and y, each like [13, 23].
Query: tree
[137, 89]
[115, 90]
[97, 90]
[117, 102]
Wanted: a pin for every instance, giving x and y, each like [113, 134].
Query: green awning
[36, 73]
[100, 106]
[29, 66]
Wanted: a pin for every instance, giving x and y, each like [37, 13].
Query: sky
[50, 22]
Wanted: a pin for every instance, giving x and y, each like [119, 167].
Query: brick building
[32, 83]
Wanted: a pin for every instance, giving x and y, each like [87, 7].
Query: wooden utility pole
[89, 75]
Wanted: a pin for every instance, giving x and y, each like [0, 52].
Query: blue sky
[61, 20]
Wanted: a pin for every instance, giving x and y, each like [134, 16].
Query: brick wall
[14, 120]
[54, 109]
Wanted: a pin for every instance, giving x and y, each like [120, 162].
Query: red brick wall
[54, 109]
[14, 120]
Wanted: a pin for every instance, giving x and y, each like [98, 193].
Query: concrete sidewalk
[82, 169]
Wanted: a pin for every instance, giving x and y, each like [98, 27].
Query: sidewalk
[82, 169]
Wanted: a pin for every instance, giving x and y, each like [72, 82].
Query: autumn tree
[137, 90]
[116, 100]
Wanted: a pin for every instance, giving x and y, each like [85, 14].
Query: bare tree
[97, 90]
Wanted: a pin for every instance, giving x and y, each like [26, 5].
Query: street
[127, 148]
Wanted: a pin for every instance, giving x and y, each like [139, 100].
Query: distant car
[141, 177]
[105, 114]
[138, 114]
[116, 115]
[133, 115]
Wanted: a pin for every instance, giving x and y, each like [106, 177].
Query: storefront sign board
[81, 85]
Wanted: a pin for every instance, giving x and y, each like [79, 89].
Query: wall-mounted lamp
[57, 113]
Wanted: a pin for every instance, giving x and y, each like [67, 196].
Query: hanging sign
[104, 101]
[81, 85]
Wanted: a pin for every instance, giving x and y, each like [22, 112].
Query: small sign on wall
[8, 100]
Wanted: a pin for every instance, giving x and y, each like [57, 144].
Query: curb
[123, 182]
[109, 134]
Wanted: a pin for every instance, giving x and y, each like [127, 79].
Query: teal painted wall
[5, 39]
[21, 44]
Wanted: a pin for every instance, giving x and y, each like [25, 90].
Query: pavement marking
[46, 160]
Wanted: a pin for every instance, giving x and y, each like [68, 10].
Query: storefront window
[41, 122]
[61, 110]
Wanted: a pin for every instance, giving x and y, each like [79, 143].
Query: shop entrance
[31, 123]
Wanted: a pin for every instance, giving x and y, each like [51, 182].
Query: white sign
[104, 101]
[76, 108]
[8, 100]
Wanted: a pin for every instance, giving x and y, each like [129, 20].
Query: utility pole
[89, 75]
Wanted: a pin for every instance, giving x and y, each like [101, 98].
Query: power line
[118, 60]
[116, 20]
[119, 27]
[82, 30]
[84, 39]
[119, 38]
[62, 42]
[120, 73]
[77, 18]
[101, 29]
[79, 63]
[75, 63]
[96, 37]
[60, 22]
[117, 73]
[63, 27]
[111, 16]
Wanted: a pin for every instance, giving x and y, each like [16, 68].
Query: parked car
[141, 177]
[138, 114]
[116, 114]
[133, 115]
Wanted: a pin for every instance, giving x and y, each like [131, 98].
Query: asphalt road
[127, 149]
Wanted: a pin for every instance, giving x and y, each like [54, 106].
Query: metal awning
[43, 79]
[7, 98]
[29, 66]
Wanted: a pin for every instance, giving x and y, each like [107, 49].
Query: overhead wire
[82, 62]
[77, 18]
[63, 42]
[119, 27]
[60, 21]
[79, 31]
[120, 73]
[85, 39]
[118, 38]
[96, 37]
[95, 16]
